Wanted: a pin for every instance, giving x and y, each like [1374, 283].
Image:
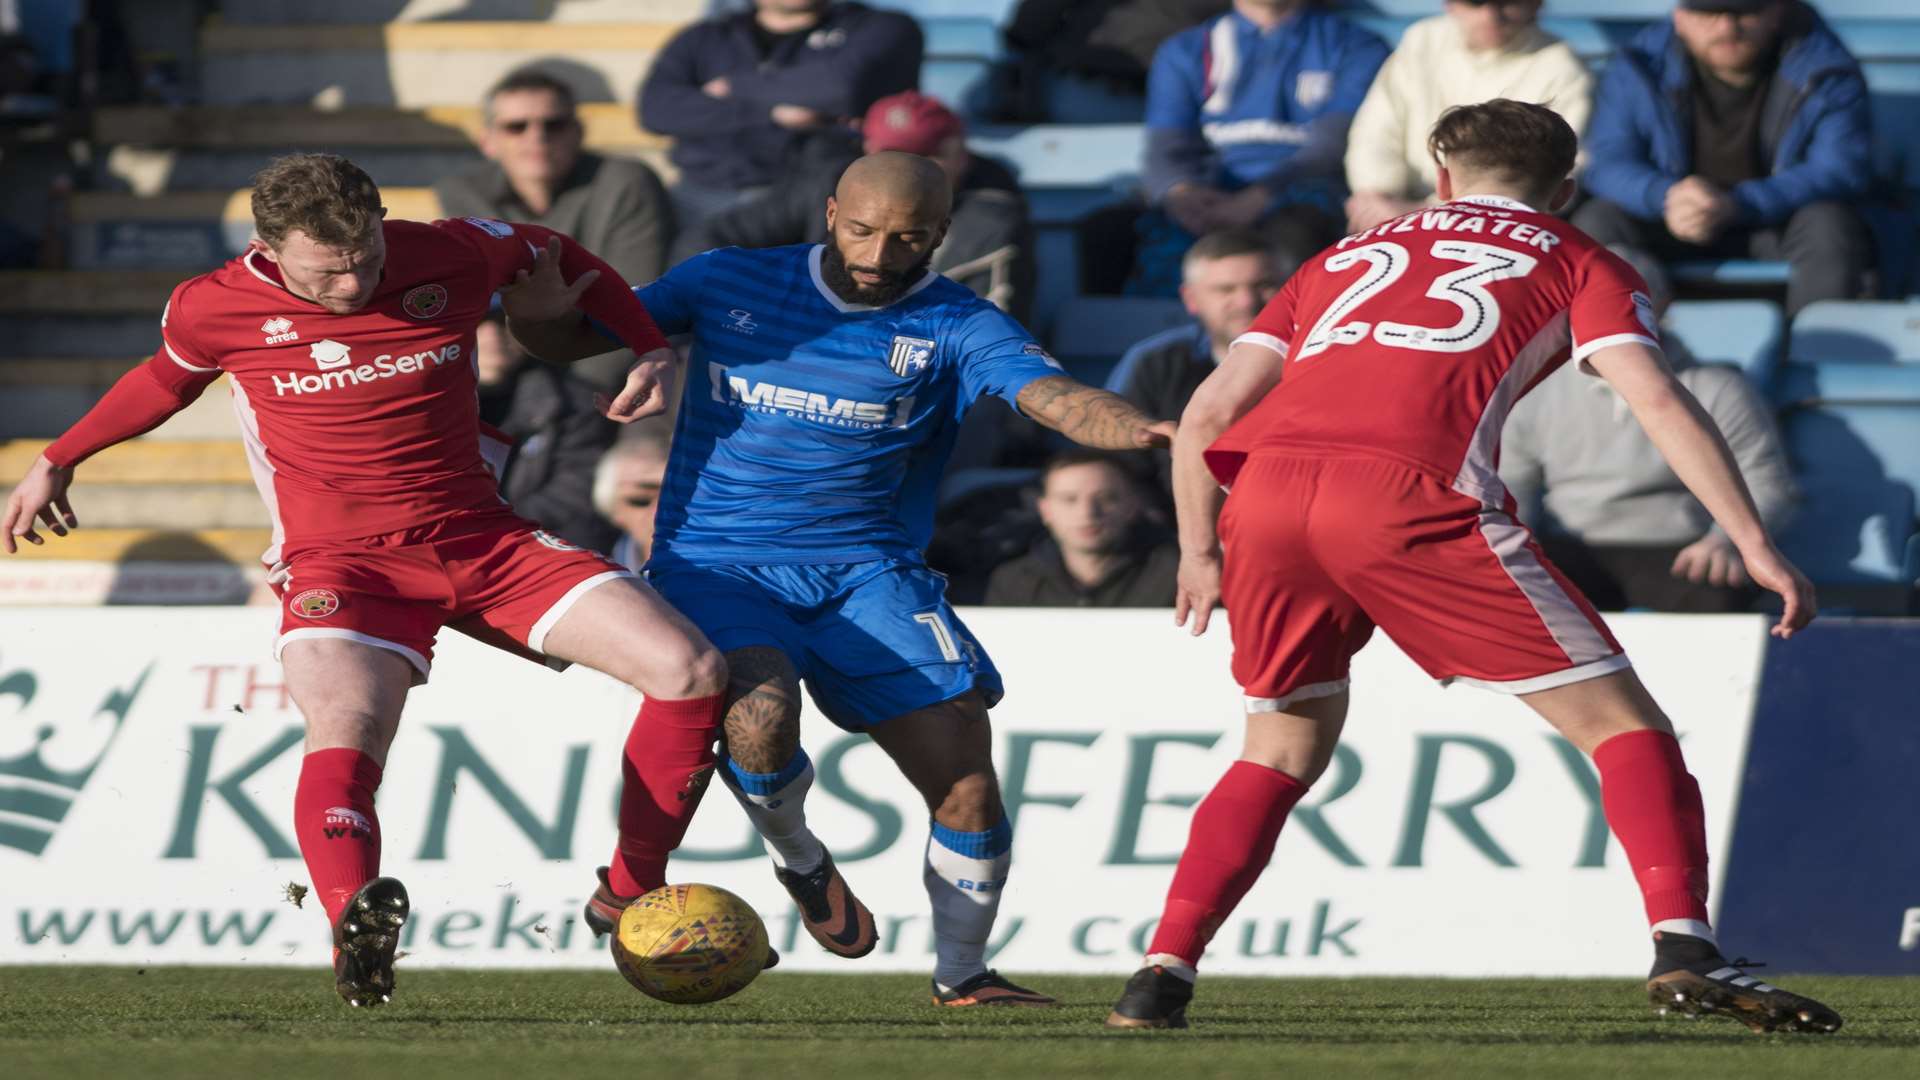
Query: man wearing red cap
[989, 247]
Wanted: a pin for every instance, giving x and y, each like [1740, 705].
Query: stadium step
[420, 63]
[87, 292]
[173, 506]
[44, 411]
[145, 460]
[190, 230]
[609, 126]
[241, 546]
[380, 11]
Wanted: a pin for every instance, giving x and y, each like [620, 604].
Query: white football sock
[1689, 927]
[964, 874]
[776, 803]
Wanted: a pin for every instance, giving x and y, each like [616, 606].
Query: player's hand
[645, 393]
[540, 294]
[1158, 434]
[1197, 591]
[1711, 560]
[41, 495]
[1771, 571]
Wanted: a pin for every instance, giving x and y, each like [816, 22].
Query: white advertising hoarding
[148, 760]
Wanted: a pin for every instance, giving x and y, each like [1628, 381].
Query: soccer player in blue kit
[826, 387]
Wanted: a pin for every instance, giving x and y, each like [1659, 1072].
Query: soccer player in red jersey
[1357, 424]
[348, 342]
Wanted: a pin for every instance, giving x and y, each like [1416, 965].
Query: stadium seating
[1745, 333]
[396, 82]
[1091, 333]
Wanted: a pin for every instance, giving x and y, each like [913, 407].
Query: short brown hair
[323, 195]
[1529, 146]
[1224, 244]
[523, 80]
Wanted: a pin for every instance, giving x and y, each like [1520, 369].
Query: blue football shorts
[871, 640]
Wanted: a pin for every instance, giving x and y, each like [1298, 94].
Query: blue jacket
[1814, 126]
[856, 56]
[1229, 106]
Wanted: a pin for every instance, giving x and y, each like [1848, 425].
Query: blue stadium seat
[1746, 272]
[1854, 534]
[1872, 39]
[1854, 441]
[961, 483]
[1090, 333]
[961, 83]
[1637, 10]
[968, 38]
[996, 11]
[1745, 333]
[1857, 332]
[1066, 155]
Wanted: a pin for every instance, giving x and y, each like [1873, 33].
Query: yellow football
[689, 944]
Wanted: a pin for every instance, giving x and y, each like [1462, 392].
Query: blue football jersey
[812, 430]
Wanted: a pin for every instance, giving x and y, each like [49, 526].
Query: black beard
[893, 285]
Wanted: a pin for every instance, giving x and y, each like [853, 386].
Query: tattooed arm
[1090, 416]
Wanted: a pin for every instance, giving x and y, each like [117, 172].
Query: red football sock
[1231, 840]
[336, 827]
[1654, 808]
[668, 762]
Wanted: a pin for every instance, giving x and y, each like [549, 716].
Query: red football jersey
[1411, 341]
[355, 424]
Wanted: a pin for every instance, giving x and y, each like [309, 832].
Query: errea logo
[279, 329]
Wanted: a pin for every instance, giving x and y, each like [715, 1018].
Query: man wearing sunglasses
[537, 172]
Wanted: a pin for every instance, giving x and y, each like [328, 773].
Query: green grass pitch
[283, 1023]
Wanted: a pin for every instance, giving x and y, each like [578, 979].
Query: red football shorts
[1317, 552]
[491, 574]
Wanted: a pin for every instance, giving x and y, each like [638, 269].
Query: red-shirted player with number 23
[1357, 424]
[348, 343]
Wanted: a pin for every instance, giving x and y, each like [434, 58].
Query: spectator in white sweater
[1478, 50]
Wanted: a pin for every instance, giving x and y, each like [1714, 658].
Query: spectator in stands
[1247, 120]
[989, 245]
[626, 491]
[1100, 549]
[1225, 279]
[558, 436]
[537, 172]
[1092, 54]
[1608, 509]
[1479, 49]
[739, 94]
[1738, 131]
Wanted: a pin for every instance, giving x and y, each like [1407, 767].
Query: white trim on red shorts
[1562, 616]
[419, 662]
[537, 637]
[1304, 693]
[1565, 677]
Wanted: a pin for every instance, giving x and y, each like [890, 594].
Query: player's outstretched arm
[1091, 416]
[135, 405]
[543, 310]
[1234, 388]
[1686, 437]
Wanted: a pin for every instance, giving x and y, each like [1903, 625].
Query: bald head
[901, 183]
[884, 221]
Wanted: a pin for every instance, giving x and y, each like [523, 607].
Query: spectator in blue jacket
[1740, 130]
[740, 93]
[1247, 119]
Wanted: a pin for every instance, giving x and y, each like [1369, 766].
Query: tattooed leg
[766, 770]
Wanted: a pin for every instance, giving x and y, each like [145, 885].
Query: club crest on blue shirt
[909, 355]
[1313, 88]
